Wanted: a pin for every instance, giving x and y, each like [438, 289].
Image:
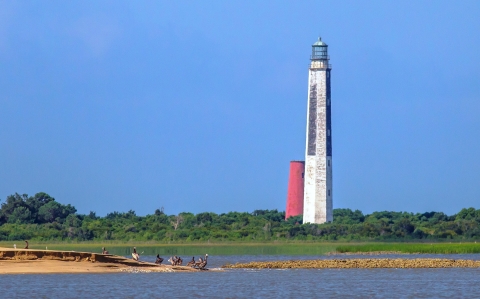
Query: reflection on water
[240, 249]
[237, 283]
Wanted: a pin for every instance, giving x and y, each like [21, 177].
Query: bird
[204, 263]
[159, 260]
[173, 260]
[191, 263]
[26, 244]
[104, 251]
[200, 261]
[135, 255]
[179, 261]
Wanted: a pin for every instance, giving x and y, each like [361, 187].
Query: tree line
[41, 217]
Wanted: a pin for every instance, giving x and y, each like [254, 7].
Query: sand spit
[358, 263]
[32, 261]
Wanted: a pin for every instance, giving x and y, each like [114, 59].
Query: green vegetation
[42, 218]
[434, 248]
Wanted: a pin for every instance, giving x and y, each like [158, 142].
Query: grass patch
[433, 248]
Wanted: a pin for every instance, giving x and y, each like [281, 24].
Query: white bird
[135, 255]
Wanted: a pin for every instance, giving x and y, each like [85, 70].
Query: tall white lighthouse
[317, 207]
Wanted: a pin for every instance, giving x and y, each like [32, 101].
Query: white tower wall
[318, 155]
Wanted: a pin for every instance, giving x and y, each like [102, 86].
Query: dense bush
[41, 217]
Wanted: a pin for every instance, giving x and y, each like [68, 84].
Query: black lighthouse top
[319, 50]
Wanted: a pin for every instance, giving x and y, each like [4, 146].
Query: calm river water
[236, 283]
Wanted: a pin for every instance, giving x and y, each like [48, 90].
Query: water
[238, 283]
[183, 250]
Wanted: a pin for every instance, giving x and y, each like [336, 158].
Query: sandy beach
[32, 261]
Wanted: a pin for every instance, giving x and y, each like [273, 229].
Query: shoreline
[369, 253]
[32, 261]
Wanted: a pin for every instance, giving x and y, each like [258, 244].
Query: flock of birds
[177, 261]
[174, 260]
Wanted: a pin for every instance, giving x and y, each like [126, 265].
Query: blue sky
[200, 105]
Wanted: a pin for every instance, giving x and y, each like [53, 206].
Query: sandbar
[358, 263]
[32, 261]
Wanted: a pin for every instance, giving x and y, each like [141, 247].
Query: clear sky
[200, 105]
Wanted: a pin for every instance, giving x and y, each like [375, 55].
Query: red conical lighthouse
[295, 189]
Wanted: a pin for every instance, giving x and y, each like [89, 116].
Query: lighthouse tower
[317, 206]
